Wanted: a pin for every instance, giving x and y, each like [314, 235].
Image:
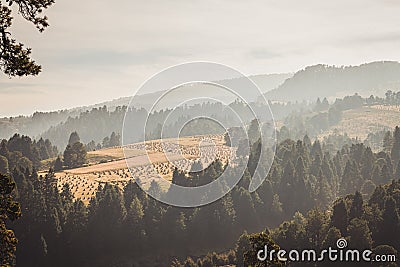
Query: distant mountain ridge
[307, 84]
[40, 122]
[265, 82]
[331, 81]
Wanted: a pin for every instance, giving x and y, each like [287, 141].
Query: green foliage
[340, 216]
[9, 210]
[113, 140]
[390, 228]
[75, 155]
[22, 152]
[91, 146]
[58, 164]
[74, 138]
[55, 226]
[331, 237]
[316, 226]
[258, 242]
[4, 165]
[242, 246]
[14, 58]
[360, 234]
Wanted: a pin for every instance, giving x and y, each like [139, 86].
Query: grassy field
[146, 161]
[359, 122]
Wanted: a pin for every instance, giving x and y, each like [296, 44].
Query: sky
[96, 50]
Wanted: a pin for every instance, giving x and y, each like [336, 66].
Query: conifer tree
[340, 216]
[356, 208]
[58, 164]
[390, 229]
[9, 211]
[4, 165]
[395, 151]
[387, 141]
[360, 235]
[74, 138]
[75, 155]
[242, 246]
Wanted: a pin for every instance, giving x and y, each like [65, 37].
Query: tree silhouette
[3, 164]
[75, 155]
[257, 242]
[340, 216]
[390, 228]
[360, 235]
[73, 138]
[15, 60]
[9, 210]
[395, 152]
[58, 165]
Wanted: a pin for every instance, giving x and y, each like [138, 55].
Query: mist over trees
[113, 140]
[98, 124]
[304, 183]
[317, 190]
[56, 126]
[21, 151]
[331, 81]
[33, 125]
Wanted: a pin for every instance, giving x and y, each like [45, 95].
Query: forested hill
[331, 81]
[32, 125]
[315, 81]
[265, 82]
[40, 122]
[98, 123]
[298, 197]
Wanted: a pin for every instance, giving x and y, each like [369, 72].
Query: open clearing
[152, 159]
[147, 162]
[362, 121]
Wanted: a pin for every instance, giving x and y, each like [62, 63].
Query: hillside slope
[265, 82]
[331, 81]
[40, 122]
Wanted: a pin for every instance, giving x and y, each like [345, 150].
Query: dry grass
[360, 122]
[115, 152]
[144, 164]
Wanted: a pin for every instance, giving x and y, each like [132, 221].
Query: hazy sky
[96, 50]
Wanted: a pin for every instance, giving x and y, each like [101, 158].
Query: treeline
[324, 115]
[311, 123]
[373, 224]
[91, 125]
[94, 125]
[99, 122]
[32, 125]
[391, 98]
[330, 81]
[20, 151]
[319, 117]
[356, 101]
[126, 227]
[75, 153]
